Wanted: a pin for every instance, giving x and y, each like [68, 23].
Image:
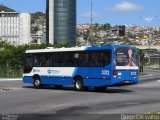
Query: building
[61, 22]
[38, 38]
[15, 27]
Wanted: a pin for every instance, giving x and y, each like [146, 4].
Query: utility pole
[90, 33]
[91, 13]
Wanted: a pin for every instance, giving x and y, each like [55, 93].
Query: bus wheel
[58, 86]
[37, 83]
[78, 84]
[99, 89]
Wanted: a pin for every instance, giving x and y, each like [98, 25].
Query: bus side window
[84, 59]
[97, 59]
[47, 60]
[102, 58]
[59, 59]
[41, 60]
[36, 61]
[107, 57]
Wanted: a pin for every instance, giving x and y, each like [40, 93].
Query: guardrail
[148, 47]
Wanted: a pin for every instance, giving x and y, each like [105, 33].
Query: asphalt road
[18, 98]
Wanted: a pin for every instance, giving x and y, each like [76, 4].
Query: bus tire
[78, 84]
[58, 86]
[100, 89]
[37, 83]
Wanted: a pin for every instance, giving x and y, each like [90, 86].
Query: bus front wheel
[78, 84]
[37, 83]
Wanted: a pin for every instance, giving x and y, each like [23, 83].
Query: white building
[15, 27]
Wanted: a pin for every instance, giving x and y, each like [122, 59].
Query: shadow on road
[111, 90]
[66, 117]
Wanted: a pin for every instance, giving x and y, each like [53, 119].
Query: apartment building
[15, 27]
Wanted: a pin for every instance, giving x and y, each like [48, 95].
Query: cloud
[149, 19]
[88, 14]
[125, 6]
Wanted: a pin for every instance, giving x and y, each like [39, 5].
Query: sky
[115, 12]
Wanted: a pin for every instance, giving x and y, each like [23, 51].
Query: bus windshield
[126, 57]
[28, 63]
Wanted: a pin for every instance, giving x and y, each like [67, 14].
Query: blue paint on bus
[95, 76]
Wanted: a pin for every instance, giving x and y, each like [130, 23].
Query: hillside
[6, 9]
[38, 22]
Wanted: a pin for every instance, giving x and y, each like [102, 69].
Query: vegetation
[12, 57]
[143, 59]
[5, 9]
[37, 15]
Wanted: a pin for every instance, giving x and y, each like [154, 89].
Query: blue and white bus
[82, 67]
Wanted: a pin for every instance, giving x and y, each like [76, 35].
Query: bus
[82, 67]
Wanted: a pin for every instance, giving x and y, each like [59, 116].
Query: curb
[145, 75]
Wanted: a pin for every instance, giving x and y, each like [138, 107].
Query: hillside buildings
[15, 27]
[134, 35]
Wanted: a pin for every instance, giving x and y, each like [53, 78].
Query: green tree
[96, 27]
[37, 15]
[143, 59]
[130, 35]
[6, 9]
[140, 35]
[107, 26]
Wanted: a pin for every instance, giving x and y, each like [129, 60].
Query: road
[17, 98]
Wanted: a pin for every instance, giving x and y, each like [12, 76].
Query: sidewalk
[10, 79]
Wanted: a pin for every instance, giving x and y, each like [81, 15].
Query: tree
[130, 35]
[6, 9]
[143, 60]
[37, 15]
[96, 27]
[107, 26]
[12, 57]
[141, 35]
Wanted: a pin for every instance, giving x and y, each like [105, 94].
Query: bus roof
[52, 49]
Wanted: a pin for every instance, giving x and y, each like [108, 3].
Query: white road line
[10, 79]
[149, 77]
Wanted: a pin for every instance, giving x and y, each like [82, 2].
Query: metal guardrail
[147, 47]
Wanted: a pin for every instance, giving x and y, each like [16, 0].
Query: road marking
[9, 88]
[149, 77]
[10, 79]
